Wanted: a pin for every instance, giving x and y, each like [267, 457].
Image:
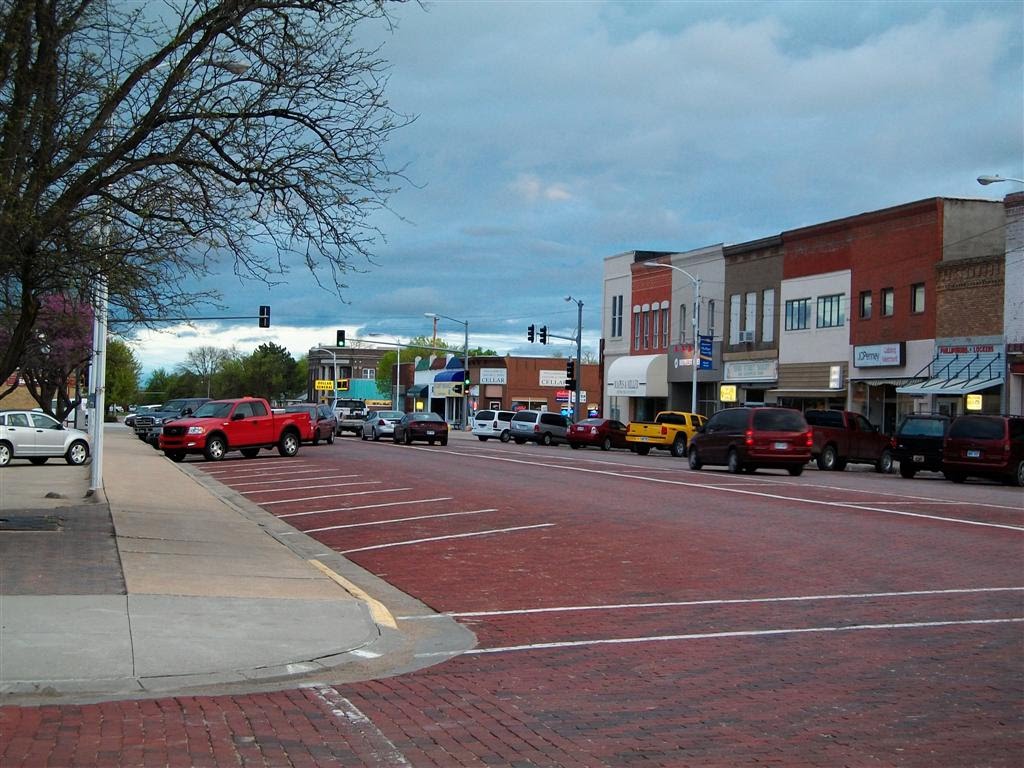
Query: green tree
[123, 373]
[157, 388]
[132, 150]
[269, 372]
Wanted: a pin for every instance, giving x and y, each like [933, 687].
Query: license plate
[643, 439]
[918, 459]
[430, 431]
[974, 454]
[780, 446]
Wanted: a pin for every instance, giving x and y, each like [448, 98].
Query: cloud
[531, 188]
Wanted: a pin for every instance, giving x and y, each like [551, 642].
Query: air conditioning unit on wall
[746, 336]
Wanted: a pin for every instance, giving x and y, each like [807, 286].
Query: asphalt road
[629, 610]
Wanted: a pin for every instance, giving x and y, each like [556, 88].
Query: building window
[370, 373]
[711, 318]
[616, 317]
[664, 325]
[750, 320]
[798, 314]
[647, 328]
[655, 331]
[768, 315]
[917, 297]
[734, 319]
[888, 301]
[865, 305]
[636, 328]
[830, 311]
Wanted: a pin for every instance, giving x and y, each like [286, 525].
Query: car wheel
[1018, 477]
[215, 449]
[5, 454]
[907, 471]
[316, 437]
[289, 445]
[606, 444]
[505, 436]
[733, 463]
[643, 450]
[481, 438]
[884, 463]
[251, 453]
[330, 438]
[956, 477]
[77, 453]
[678, 448]
[394, 437]
[408, 439]
[574, 446]
[176, 456]
[546, 439]
[520, 441]
[444, 441]
[749, 469]
[362, 435]
[827, 459]
[37, 460]
[376, 436]
[796, 470]
[694, 459]
[431, 441]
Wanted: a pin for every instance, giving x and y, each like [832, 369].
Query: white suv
[541, 427]
[488, 424]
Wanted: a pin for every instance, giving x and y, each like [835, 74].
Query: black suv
[918, 442]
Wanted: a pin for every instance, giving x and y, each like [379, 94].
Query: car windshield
[213, 410]
[773, 420]
[977, 427]
[923, 428]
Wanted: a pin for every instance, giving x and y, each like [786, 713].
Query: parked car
[917, 444]
[37, 437]
[149, 426]
[602, 433]
[985, 446]
[670, 431]
[542, 427]
[422, 425]
[844, 437]
[323, 422]
[488, 424]
[380, 423]
[745, 439]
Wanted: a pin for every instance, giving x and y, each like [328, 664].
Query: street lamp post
[986, 180]
[465, 362]
[578, 412]
[696, 323]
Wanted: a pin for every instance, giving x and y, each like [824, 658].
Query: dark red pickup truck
[843, 437]
[245, 424]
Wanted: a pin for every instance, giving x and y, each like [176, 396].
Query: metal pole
[99, 377]
[465, 378]
[398, 376]
[696, 341]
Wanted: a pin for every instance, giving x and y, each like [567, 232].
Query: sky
[551, 135]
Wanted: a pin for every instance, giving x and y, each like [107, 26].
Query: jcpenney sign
[879, 355]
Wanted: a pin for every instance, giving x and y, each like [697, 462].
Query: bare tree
[146, 143]
[204, 362]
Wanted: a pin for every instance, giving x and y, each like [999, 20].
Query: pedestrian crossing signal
[264, 316]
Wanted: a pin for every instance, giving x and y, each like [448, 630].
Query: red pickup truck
[244, 424]
[843, 437]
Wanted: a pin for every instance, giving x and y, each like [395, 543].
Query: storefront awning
[951, 387]
[807, 392]
[416, 390]
[638, 376]
[904, 381]
[449, 375]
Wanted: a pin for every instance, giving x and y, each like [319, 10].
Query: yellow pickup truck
[670, 431]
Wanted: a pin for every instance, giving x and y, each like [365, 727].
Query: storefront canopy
[960, 374]
[638, 376]
[449, 375]
[951, 387]
[417, 390]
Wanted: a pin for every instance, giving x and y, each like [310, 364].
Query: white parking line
[365, 506]
[310, 488]
[760, 494]
[445, 538]
[734, 601]
[334, 496]
[396, 520]
[235, 472]
[744, 633]
[297, 480]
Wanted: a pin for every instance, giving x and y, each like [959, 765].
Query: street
[628, 611]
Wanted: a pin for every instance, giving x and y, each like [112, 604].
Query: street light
[465, 362]
[398, 369]
[578, 412]
[986, 180]
[696, 320]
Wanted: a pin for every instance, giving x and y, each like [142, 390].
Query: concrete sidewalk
[168, 581]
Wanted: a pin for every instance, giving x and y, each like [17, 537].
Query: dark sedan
[324, 422]
[426, 427]
[602, 433]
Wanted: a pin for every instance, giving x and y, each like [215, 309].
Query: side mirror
[186, 412]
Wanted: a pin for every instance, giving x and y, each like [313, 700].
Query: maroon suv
[745, 439]
[985, 446]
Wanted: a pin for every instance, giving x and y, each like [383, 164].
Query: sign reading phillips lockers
[880, 355]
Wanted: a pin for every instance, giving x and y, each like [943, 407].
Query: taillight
[593, 430]
[749, 440]
[810, 438]
[536, 427]
[664, 430]
[380, 423]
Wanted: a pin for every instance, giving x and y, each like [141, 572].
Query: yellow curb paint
[380, 614]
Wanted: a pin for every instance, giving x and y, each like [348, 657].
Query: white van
[488, 424]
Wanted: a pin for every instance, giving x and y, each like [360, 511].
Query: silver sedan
[380, 424]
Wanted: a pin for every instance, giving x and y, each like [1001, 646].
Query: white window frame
[768, 315]
[734, 318]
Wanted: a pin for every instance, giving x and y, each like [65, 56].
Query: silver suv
[488, 424]
[541, 427]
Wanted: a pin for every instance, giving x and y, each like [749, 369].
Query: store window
[616, 317]
[636, 329]
[830, 311]
[865, 305]
[917, 297]
[664, 324]
[682, 323]
[888, 302]
[734, 318]
[798, 314]
[768, 315]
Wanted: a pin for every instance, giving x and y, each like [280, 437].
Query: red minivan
[744, 439]
[985, 446]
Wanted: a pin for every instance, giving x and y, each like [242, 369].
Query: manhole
[31, 523]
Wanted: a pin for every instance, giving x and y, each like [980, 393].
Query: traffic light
[342, 385]
[467, 382]
[531, 333]
[264, 316]
[570, 370]
[543, 334]
[341, 339]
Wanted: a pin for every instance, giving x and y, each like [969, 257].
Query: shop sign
[493, 376]
[323, 385]
[568, 396]
[446, 389]
[835, 377]
[879, 355]
[727, 393]
[552, 378]
[751, 370]
[966, 349]
[974, 402]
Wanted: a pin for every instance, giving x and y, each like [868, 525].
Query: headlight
[157, 421]
[196, 430]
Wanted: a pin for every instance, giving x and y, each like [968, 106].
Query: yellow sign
[727, 393]
[378, 404]
[323, 384]
[974, 402]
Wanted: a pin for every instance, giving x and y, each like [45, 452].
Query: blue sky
[549, 135]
